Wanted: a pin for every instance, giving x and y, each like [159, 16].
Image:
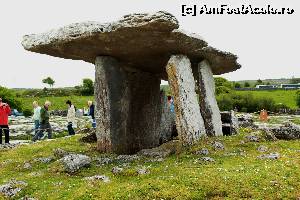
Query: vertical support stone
[127, 108]
[208, 104]
[111, 104]
[189, 122]
[144, 111]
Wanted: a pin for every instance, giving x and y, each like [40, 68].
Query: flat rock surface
[139, 41]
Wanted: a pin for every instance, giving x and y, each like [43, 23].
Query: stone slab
[138, 41]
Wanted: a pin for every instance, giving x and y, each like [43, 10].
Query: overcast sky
[267, 45]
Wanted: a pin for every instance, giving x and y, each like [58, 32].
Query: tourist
[4, 112]
[171, 104]
[44, 123]
[71, 117]
[92, 113]
[36, 115]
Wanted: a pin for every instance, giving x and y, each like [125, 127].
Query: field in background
[287, 97]
[58, 103]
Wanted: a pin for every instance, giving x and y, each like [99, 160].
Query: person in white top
[71, 117]
[36, 115]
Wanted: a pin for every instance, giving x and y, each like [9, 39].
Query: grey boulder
[74, 162]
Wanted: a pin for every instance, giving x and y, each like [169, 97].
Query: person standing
[44, 123]
[71, 117]
[36, 115]
[4, 112]
[92, 113]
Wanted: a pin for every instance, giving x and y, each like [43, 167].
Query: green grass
[58, 103]
[232, 176]
[287, 97]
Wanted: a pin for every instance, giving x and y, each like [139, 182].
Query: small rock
[271, 156]
[269, 136]
[116, 170]
[155, 160]
[127, 158]
[103, 161]
[262, 148]
[27, 198]
[103, 178]
[44, 160]
[230, 154]
[142, 171]
[218, 146]
[252, 138]
[207, 159]
[274, 183]
[203, 151]
[60, 153]
[35, 174]
[27, 166]
[12, 188]
[73, 162]
[58, 183]
[287, 131]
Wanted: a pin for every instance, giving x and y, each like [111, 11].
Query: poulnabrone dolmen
[131, 57]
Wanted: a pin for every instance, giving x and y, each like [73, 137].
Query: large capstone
[189, 122]
[142, 41]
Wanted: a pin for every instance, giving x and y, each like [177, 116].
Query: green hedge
[247, 102]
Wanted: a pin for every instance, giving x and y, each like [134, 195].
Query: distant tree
[222, 85]
[49, 81]
[87, 88]
[8, 96]
[246, 84]
[237, 85]
[259, 81]
[295, 80]
[298, 98]
[268, 83]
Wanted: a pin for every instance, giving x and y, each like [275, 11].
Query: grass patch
[287, 97]
[236, 174]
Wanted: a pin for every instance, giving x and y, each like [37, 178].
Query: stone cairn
[131, 57]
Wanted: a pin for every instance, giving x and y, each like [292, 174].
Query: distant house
[265, 86]
[290, 86]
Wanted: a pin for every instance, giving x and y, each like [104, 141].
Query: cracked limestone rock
[74, 162]
[143, 41]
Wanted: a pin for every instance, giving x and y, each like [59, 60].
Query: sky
[267, 45]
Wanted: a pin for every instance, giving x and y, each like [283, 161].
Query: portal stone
[111, 103]
[127, 108]
[189, 122]
[208, 104]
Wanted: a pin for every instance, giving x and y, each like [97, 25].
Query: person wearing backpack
[71, 117]
[44, 123]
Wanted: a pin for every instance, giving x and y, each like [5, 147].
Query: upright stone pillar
[127, 108]
[111, 104]
[143, 123]
[189, 122]
[208, 104]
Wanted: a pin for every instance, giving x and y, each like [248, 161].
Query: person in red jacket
[4, 112]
